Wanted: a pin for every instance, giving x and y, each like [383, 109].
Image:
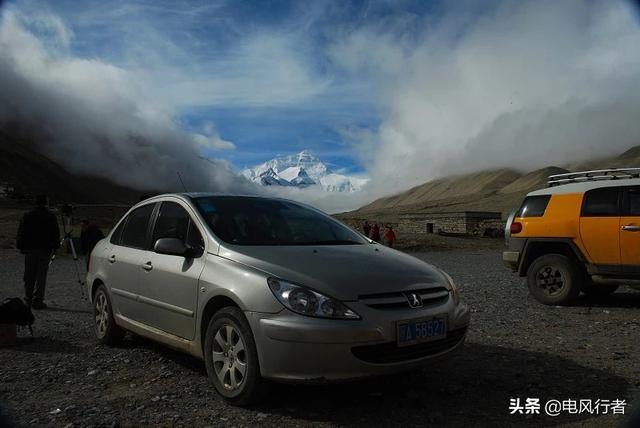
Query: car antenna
[181, 182]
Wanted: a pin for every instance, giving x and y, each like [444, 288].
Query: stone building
[474, 223]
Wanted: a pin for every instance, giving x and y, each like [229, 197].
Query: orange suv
[581, 233]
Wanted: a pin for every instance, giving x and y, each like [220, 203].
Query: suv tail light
[515, 228]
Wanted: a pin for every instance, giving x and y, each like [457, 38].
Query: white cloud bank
[509, 83]
[521, 84]
[97, 118]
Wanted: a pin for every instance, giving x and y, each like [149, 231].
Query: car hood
[344, 272]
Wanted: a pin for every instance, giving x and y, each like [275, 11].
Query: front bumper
[292, 347]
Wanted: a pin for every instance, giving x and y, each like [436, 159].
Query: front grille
[390, 352]
[398, 299]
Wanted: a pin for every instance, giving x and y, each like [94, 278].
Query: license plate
[421, 330]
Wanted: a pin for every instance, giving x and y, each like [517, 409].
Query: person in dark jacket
[375, 232]
[38, 236]
[89, 237]
[366, 228]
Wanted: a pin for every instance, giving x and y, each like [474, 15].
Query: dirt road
[516, 348]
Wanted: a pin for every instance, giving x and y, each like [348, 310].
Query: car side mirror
[171, 247]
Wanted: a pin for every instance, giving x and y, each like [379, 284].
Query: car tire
[554, 279]
[104, 324]
[592, 289]
[231, 358]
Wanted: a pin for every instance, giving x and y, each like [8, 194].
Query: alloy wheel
[550, 279]
[229, 357]
[101, 314]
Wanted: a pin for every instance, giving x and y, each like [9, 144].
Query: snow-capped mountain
[271, 178]
[302, 170]
[297, 176]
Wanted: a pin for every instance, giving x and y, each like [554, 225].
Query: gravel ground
[515, 348]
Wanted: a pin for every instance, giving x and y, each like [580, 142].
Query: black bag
[14, 311]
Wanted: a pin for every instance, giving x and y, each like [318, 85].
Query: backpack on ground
[14, 311]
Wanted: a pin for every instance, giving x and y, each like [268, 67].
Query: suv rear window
[633, 202]
[603, 202]
[533, 206]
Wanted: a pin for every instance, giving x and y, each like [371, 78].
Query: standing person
[38, 236]
[389, 237]
[89, 237]
[366, 228]
[375, 233]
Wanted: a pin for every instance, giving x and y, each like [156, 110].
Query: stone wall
[477, 224]
[462, 223]
[486, 227]
[419, 224]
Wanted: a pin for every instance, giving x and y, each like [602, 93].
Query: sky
[400, 91]
[256, 74]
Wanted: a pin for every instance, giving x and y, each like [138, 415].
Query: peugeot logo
[414, 300]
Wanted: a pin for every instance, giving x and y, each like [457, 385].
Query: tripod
[65, 216]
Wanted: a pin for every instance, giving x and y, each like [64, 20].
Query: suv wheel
[554, 279]
[231, 357]
[105, 326]
[592, 289]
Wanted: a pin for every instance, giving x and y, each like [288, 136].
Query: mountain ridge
[499, 190]
[302, 170]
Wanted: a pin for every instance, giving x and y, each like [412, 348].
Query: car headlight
[452, 288]
[305, 301]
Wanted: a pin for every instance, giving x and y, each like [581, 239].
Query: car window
[174, 221]
[603, 202]
[117, 234]
[262, 221]
[194, 238]
[137, 224]
[633, 202]
[533, 206]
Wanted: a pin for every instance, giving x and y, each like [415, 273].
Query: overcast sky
[402, 91]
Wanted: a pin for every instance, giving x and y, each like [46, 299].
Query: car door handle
[631, 227]
[112, 259]
[147, 266]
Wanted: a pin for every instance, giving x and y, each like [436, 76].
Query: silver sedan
[269, 289]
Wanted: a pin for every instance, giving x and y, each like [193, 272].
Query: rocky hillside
[28, 172]
[445, 190]
[492, 190]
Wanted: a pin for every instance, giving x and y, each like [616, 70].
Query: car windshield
[259, 221]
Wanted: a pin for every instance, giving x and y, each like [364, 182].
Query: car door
[599, 227]
[169, 283]
[125, 260]
[630, 231]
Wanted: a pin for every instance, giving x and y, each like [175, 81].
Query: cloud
[517, 84]
[266, 70]
[201, 54]
[209, 139]
[105, 99]
[415, 91]
[365, 139]
[97, 118]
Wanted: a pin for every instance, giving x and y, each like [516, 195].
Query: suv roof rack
[594, 175]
